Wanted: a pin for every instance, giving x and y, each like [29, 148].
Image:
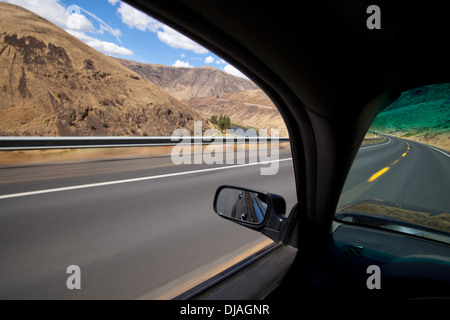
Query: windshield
[401, 174]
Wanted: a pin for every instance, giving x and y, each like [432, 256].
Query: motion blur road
[144, 228]
[132, 238]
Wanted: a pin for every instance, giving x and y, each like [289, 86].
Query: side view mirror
[259, 211]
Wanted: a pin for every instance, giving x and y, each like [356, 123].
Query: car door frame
[324, 138]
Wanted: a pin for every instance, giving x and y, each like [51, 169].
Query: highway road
[400, 171]
[138, 228]
[143, 228]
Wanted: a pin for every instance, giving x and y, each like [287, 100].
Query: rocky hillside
[421, 114]
[185, 83]
[52, 84]
[250, 108]
[210, 91]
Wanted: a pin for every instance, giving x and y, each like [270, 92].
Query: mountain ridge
[52, 84]
[248, 108]
[210, 91]
[185, 83]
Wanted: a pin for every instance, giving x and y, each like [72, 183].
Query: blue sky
[117, 29]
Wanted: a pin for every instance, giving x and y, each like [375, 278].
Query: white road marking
[109, 183]
[377, 145]
[438, 150]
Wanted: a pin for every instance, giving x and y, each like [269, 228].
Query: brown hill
[251, 97]
[250, 108]
[185, 83]
[210, 91]
[52, 84]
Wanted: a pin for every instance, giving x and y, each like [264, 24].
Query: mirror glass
[242, 205]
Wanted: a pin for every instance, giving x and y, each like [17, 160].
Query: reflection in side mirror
[242, 205]
[259, 211]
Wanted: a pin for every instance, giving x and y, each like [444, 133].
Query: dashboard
[409, 267]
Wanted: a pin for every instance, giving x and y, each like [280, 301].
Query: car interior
[329, 75]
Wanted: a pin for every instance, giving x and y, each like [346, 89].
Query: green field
[424, 110]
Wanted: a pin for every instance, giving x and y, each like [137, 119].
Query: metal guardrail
[46, 143]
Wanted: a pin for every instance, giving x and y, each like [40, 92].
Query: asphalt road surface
[403, 172]
[137, 228]
[144, 228]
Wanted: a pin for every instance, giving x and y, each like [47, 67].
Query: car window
[121, 222]
[400, 178]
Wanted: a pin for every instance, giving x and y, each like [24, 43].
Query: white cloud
[103, 25]
[209, 60]
[134, 18]
[113, 2]
[108, 48]
[178, 41]
[115, 32]
[183, 64]
[232, 70]
[73, 21]
[79, 22]
[51, 10]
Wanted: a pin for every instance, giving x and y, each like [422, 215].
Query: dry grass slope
[185, 83]
[52, 84]
[250, 108]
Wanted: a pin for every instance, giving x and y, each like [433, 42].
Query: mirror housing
[259, 211]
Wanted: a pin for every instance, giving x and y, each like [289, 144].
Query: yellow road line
[378, 174]
[403, 155]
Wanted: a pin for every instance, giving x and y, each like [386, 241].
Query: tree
[224, 122]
